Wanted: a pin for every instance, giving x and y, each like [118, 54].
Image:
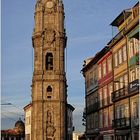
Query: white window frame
[120, 56]
[136, 45]
[110, 90]
[124, 53]
[137, 72]
[104, 68]
[132, 75]
[105, 118]
[99, 72]
[105, 94]
[121, 82]
[100, 97]
[101, 119]
[109, 64]
[116, 59]
[131, 48]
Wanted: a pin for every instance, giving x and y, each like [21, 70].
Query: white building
[28, 110]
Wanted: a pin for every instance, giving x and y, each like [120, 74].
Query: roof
[27, 106]
[96, 58]
[9, 132]
[121, 18]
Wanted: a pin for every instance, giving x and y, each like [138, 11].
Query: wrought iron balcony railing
[135, 121]
[121, 122]
[92, 108]
[119, 93]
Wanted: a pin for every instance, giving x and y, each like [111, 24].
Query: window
[110, 90]
[118, 112]
[101, 120]
[87, 81]
[131, 48]
[120, 56]
[126, 112]
[91, 79]
[96, 120]
[109, 64]
[111, 116]
[106, 118]
[100, 97]
[116, 59]
[116, 85]
[121, 82]
[28, 120]
[135, 109]
[122, 111]
[125, 79]
[132, 75]
[137, 73]
[124, 53]
[100, 72]
[136, 45]
[49, 61]
[105, 95]
[49, 89]
[104, 68]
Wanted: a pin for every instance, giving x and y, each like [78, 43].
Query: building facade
[125, 50]
[70, 127]
[117, 92]
[28, 111]
[49, 97]
[16, 133]
[105, 81]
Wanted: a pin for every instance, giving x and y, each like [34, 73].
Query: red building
[105, 83]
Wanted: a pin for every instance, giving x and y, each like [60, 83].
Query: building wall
[118, 83]
[28, 112]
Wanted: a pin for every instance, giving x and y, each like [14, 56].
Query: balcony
[122, 92]
[92, 108]
[121, 122]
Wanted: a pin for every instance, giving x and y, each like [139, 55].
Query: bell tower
[49, 81]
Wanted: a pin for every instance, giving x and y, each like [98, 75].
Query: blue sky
[88, 30]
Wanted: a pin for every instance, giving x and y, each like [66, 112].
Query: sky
[88, 29]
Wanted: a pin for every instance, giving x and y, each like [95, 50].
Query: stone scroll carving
[50, 129]
[49, 36]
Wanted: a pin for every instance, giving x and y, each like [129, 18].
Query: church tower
[49, 80]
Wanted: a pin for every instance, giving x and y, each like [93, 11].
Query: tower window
[49, 61]
[49, 89]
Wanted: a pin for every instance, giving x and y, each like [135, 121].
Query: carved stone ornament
[50, 7]
[49, 36]
[37, 42]
[50, 131]
[50, 128]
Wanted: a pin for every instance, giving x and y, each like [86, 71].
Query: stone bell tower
[49, 80]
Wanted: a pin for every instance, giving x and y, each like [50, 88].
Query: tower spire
[49, 96]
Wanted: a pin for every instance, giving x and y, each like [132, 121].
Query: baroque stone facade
[49, 80]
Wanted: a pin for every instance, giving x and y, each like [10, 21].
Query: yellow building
[125, 50]
[112, 83]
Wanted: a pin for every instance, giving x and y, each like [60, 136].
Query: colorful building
[125, 51]
[114, 96]
[105, 81]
